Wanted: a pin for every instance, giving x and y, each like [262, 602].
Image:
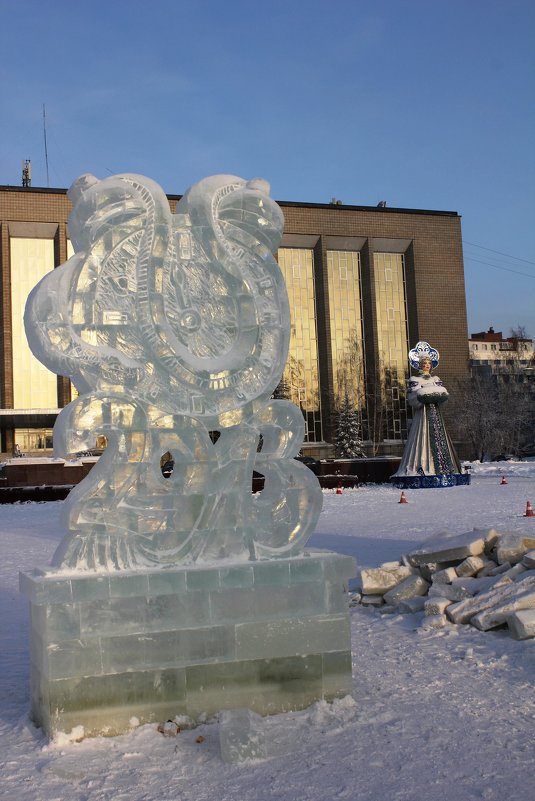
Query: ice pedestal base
[272, 636]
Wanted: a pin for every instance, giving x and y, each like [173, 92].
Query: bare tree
[474, 404]
[349, 396]
[494, 412]
[519, 332]
[375, 406]
[385, 403]
[349, 372]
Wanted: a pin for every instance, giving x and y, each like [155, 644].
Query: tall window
[347, 347]
[392, 350]
[34, 387]
[301, 374]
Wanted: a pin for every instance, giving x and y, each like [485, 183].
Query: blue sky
[422, 103]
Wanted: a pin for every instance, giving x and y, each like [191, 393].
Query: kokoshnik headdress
[421, 350]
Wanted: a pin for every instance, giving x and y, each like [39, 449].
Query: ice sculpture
[186, 594]
[173, 327]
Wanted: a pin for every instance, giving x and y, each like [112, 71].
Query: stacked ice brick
[272, 636]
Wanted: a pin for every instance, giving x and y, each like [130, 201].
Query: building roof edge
[283, 203]
[379, 209]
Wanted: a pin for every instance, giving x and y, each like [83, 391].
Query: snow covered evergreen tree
[348, 442]
[282, 391]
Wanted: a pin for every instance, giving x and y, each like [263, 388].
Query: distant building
[492, 353]
[508, 360]
[364, 284]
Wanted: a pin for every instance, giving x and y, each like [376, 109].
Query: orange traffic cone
[339, 488]
[503, 481]
[402, 498]
[529, 510]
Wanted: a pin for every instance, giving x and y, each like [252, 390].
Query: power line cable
[496, 267]
[507, 255]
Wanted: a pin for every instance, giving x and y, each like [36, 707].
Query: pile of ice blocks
[483, 577]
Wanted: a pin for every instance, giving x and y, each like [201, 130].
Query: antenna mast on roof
[46, 150]
[26, 173]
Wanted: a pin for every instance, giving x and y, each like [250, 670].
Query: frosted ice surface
[241, 735]
[174, 328]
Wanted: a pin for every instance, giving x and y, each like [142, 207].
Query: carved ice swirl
[173, 327]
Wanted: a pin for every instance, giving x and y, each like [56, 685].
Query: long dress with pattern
[429, 450]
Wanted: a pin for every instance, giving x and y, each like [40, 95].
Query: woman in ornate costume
[429, 458]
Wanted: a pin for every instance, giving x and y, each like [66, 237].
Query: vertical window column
[345, 313]
[34, 387]
[392, 346]
[301, 374]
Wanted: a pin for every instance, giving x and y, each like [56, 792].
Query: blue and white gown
[429, 451]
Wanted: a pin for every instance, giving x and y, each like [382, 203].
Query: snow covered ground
[434, 715]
